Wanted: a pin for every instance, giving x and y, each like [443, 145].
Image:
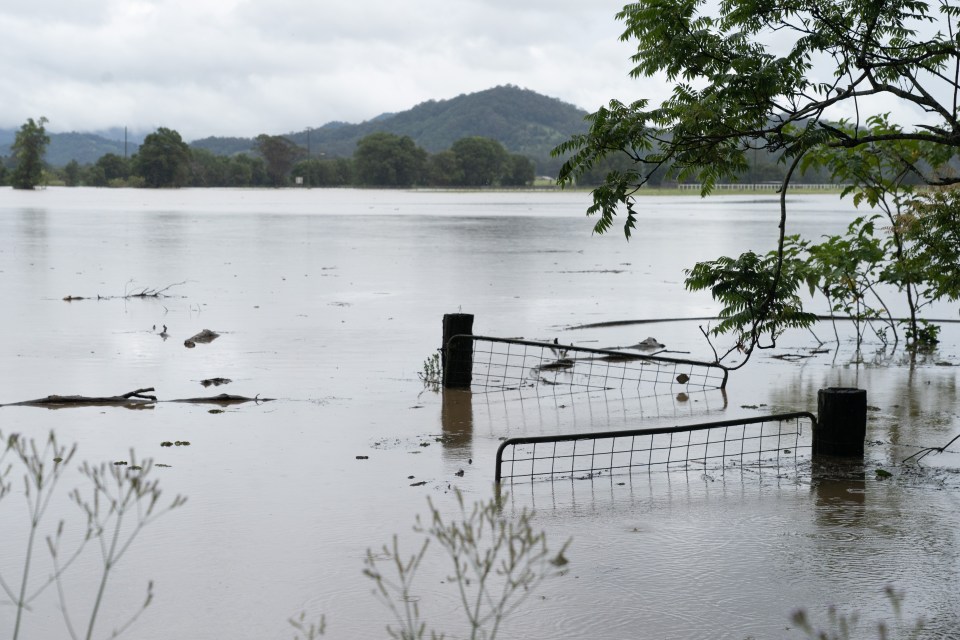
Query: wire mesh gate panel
[502, 364]
[750, 441]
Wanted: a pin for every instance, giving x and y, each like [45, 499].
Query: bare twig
[146, 292]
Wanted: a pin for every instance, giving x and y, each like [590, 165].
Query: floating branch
[133, 400]
[146, 292]
[224, 400]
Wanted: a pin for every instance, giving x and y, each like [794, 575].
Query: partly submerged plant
[495, 563]
[841, 626]
[432, 372]
[122, 501]
[42, 471]
[310, 630]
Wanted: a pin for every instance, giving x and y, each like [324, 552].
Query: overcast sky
[245, 67]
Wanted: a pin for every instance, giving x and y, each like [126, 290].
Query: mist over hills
[523, 121]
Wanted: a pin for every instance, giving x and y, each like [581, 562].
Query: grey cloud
[242, 67]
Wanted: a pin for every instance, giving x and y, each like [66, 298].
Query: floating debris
[649, 343]
[562, 363]
[137, 399]
[216, 382]
[204, 337]
[223, 399]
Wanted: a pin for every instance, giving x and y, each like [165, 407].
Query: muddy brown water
[330, 301]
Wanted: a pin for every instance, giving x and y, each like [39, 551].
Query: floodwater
[329, 301]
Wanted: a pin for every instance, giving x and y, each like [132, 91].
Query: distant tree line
[380, 160]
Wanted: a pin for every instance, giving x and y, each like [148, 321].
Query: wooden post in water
[457, 355]
[841, 422]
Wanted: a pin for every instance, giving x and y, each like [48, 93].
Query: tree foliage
[28, 148]
[773, 76]
[743, 284]
[382, 160]
[747, 78]
[883, 247]
[388, 160]
[71, 174]
[481, 160]
[325, 172]
[443, 169]
[114, 167]
[280, 154]
[518, 171]
[933, 224]
[163, 159]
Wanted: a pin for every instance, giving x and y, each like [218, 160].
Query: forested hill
[85, 148]
[523, 121]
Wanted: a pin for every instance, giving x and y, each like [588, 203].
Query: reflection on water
[840, 490]
[524, 414]
[329, 300]
[456, 418]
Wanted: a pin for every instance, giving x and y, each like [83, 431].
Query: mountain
[85, 148]
[523, 121]
[225, 146]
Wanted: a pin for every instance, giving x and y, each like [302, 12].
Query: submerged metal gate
[749, 441]
[503, 364]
